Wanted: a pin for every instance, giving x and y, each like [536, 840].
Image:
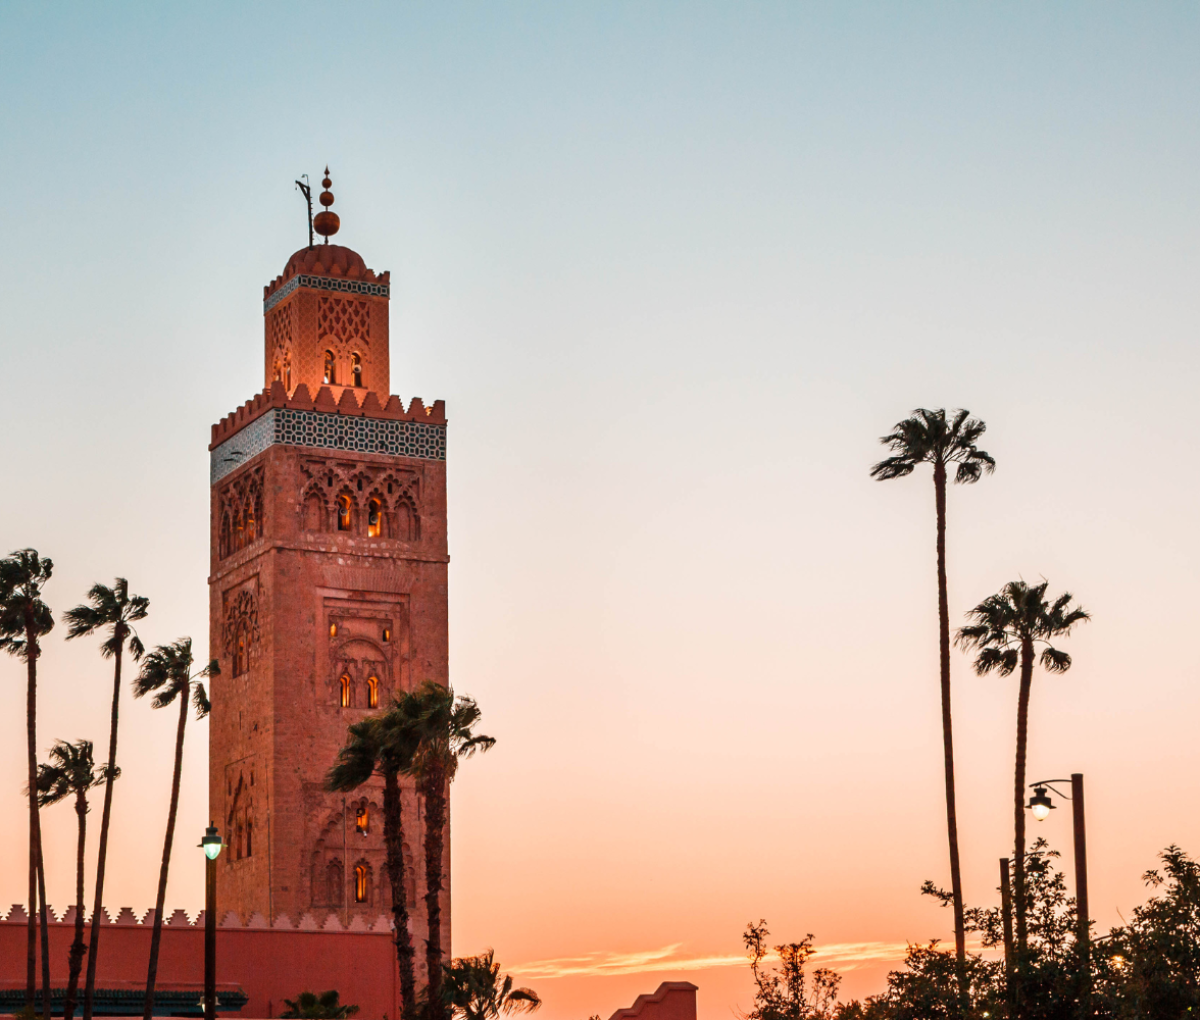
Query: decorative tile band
[323, 430]
[327, 283]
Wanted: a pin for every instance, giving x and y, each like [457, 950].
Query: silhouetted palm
[72, 771]
[473, 989]
[24, 618]
[1009, 629]
[167, 672]
[928, 437]
[383, 745]
[443, 725]
[112, 610]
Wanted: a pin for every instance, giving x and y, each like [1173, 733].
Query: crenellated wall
[269, 962]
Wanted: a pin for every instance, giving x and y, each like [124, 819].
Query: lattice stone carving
[345, 318]
[323, 430]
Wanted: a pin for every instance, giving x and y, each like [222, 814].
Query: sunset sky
[674, 267]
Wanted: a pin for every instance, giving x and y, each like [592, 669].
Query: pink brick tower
[327, 594]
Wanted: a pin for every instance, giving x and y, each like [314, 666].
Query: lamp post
[1041, 806]
[211, 845]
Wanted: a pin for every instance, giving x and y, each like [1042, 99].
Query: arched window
[249, 838]
[362, 819]
[374, 519]
[287, 376]
[335, 891]
[361, 883]
[404, 522]
[356, 370]
[345, 691]
[330, 376]
[225, 546]
[373, 691]
[343, 505]
[278, 373]
[239, 652]
[313, 512]
[251, 531]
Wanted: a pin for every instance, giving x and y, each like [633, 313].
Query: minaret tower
[327, 594]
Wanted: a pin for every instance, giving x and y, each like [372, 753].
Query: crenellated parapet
[272, 417]
[347, 404]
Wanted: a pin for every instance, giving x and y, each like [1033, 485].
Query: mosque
[327, 595]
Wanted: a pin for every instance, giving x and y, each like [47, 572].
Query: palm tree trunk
[156, 937]
[35, 840]
[1019, 794]
[44, 921]
[393, 834]
[435, 831]
[37, 876]
[75, 958]
[89, 989]
[960, 935]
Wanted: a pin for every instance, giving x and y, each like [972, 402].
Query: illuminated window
[287, 376]
[356, 369]
[239, 653]
[343, 505]
[345, 682]
[387, 635]
[333, 630]
[360, 884]
[374, 519]
[362, 820]
[330, 376]
[373, 692]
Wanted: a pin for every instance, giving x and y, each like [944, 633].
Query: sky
[674, 268]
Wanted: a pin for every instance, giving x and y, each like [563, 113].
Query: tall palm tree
[444, 727]
[113, 610]
[72, 771]
[473, 989]
[929, 437]
[383, 745]
[1015, 626]
[24, 617]
[168, 671]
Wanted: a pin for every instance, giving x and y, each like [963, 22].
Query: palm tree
[72, 772]
[1009, 627]
[927, 437]
[473, 989]
[168, 671]
[24, 617]
[383, 745]
[443, 725]
[115, 610]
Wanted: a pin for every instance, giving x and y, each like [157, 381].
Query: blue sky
[674, 267]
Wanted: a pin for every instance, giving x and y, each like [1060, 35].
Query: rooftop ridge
[277, 396]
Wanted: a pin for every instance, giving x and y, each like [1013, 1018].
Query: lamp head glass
[1040, 803]
[211, 843]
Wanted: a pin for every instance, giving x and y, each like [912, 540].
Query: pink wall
[270, 964]
[674, 1000]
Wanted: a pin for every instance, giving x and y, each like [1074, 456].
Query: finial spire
[326, 222]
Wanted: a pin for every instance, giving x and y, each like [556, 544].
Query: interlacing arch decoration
[365, 501]
[241, 631]
[348, 319]
[239, 822]
[240, 512]
[280, 332]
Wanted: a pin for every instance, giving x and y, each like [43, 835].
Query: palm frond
[1055, 661]
[200, 700]
[999, 660]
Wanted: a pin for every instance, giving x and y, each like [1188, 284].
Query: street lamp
[211, 844]
[1041, 806]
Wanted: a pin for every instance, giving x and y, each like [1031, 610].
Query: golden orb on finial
[326, 223]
